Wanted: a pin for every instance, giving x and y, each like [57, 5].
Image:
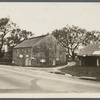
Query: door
[54, 62]
[27, 62]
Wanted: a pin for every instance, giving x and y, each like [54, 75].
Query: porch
[90, 61]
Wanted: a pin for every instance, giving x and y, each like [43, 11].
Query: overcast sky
[41, 18]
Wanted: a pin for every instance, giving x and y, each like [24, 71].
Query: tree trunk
[73, 56]
[1, 53]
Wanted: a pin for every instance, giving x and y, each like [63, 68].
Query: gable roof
[90, 50]
[30, 42]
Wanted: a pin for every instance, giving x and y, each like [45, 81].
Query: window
[16, 51]
[60, 52]
[21, 50]
[28, 50]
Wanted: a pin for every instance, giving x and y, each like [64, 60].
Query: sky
[42, 18]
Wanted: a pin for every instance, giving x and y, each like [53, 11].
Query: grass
[79, 71]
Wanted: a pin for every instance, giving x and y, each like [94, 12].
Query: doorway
[91, 61]
[27, 62]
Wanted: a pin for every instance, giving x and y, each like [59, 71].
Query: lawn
[79, 71]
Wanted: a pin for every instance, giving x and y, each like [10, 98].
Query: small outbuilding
[90, 55]
[39, 51]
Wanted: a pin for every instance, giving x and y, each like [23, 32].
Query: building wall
[17, 52]
[61, 54]
[50, 51]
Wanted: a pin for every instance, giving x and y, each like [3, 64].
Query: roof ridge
[37, 36]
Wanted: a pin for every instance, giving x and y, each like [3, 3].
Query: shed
[90, 55]
[39, 51]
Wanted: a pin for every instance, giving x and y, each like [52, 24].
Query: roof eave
[22, 47]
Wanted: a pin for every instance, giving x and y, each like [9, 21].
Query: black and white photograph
[49, 47]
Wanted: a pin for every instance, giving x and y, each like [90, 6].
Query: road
[23, 80]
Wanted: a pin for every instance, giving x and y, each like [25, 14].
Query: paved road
[22, 80]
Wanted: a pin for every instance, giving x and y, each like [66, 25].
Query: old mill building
[39, 51]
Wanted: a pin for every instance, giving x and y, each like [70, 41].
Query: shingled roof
[90, 50]
[30, 42]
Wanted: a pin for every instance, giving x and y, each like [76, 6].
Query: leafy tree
[16, 35]
[3, 31]
[70, 38]
[92, 37]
